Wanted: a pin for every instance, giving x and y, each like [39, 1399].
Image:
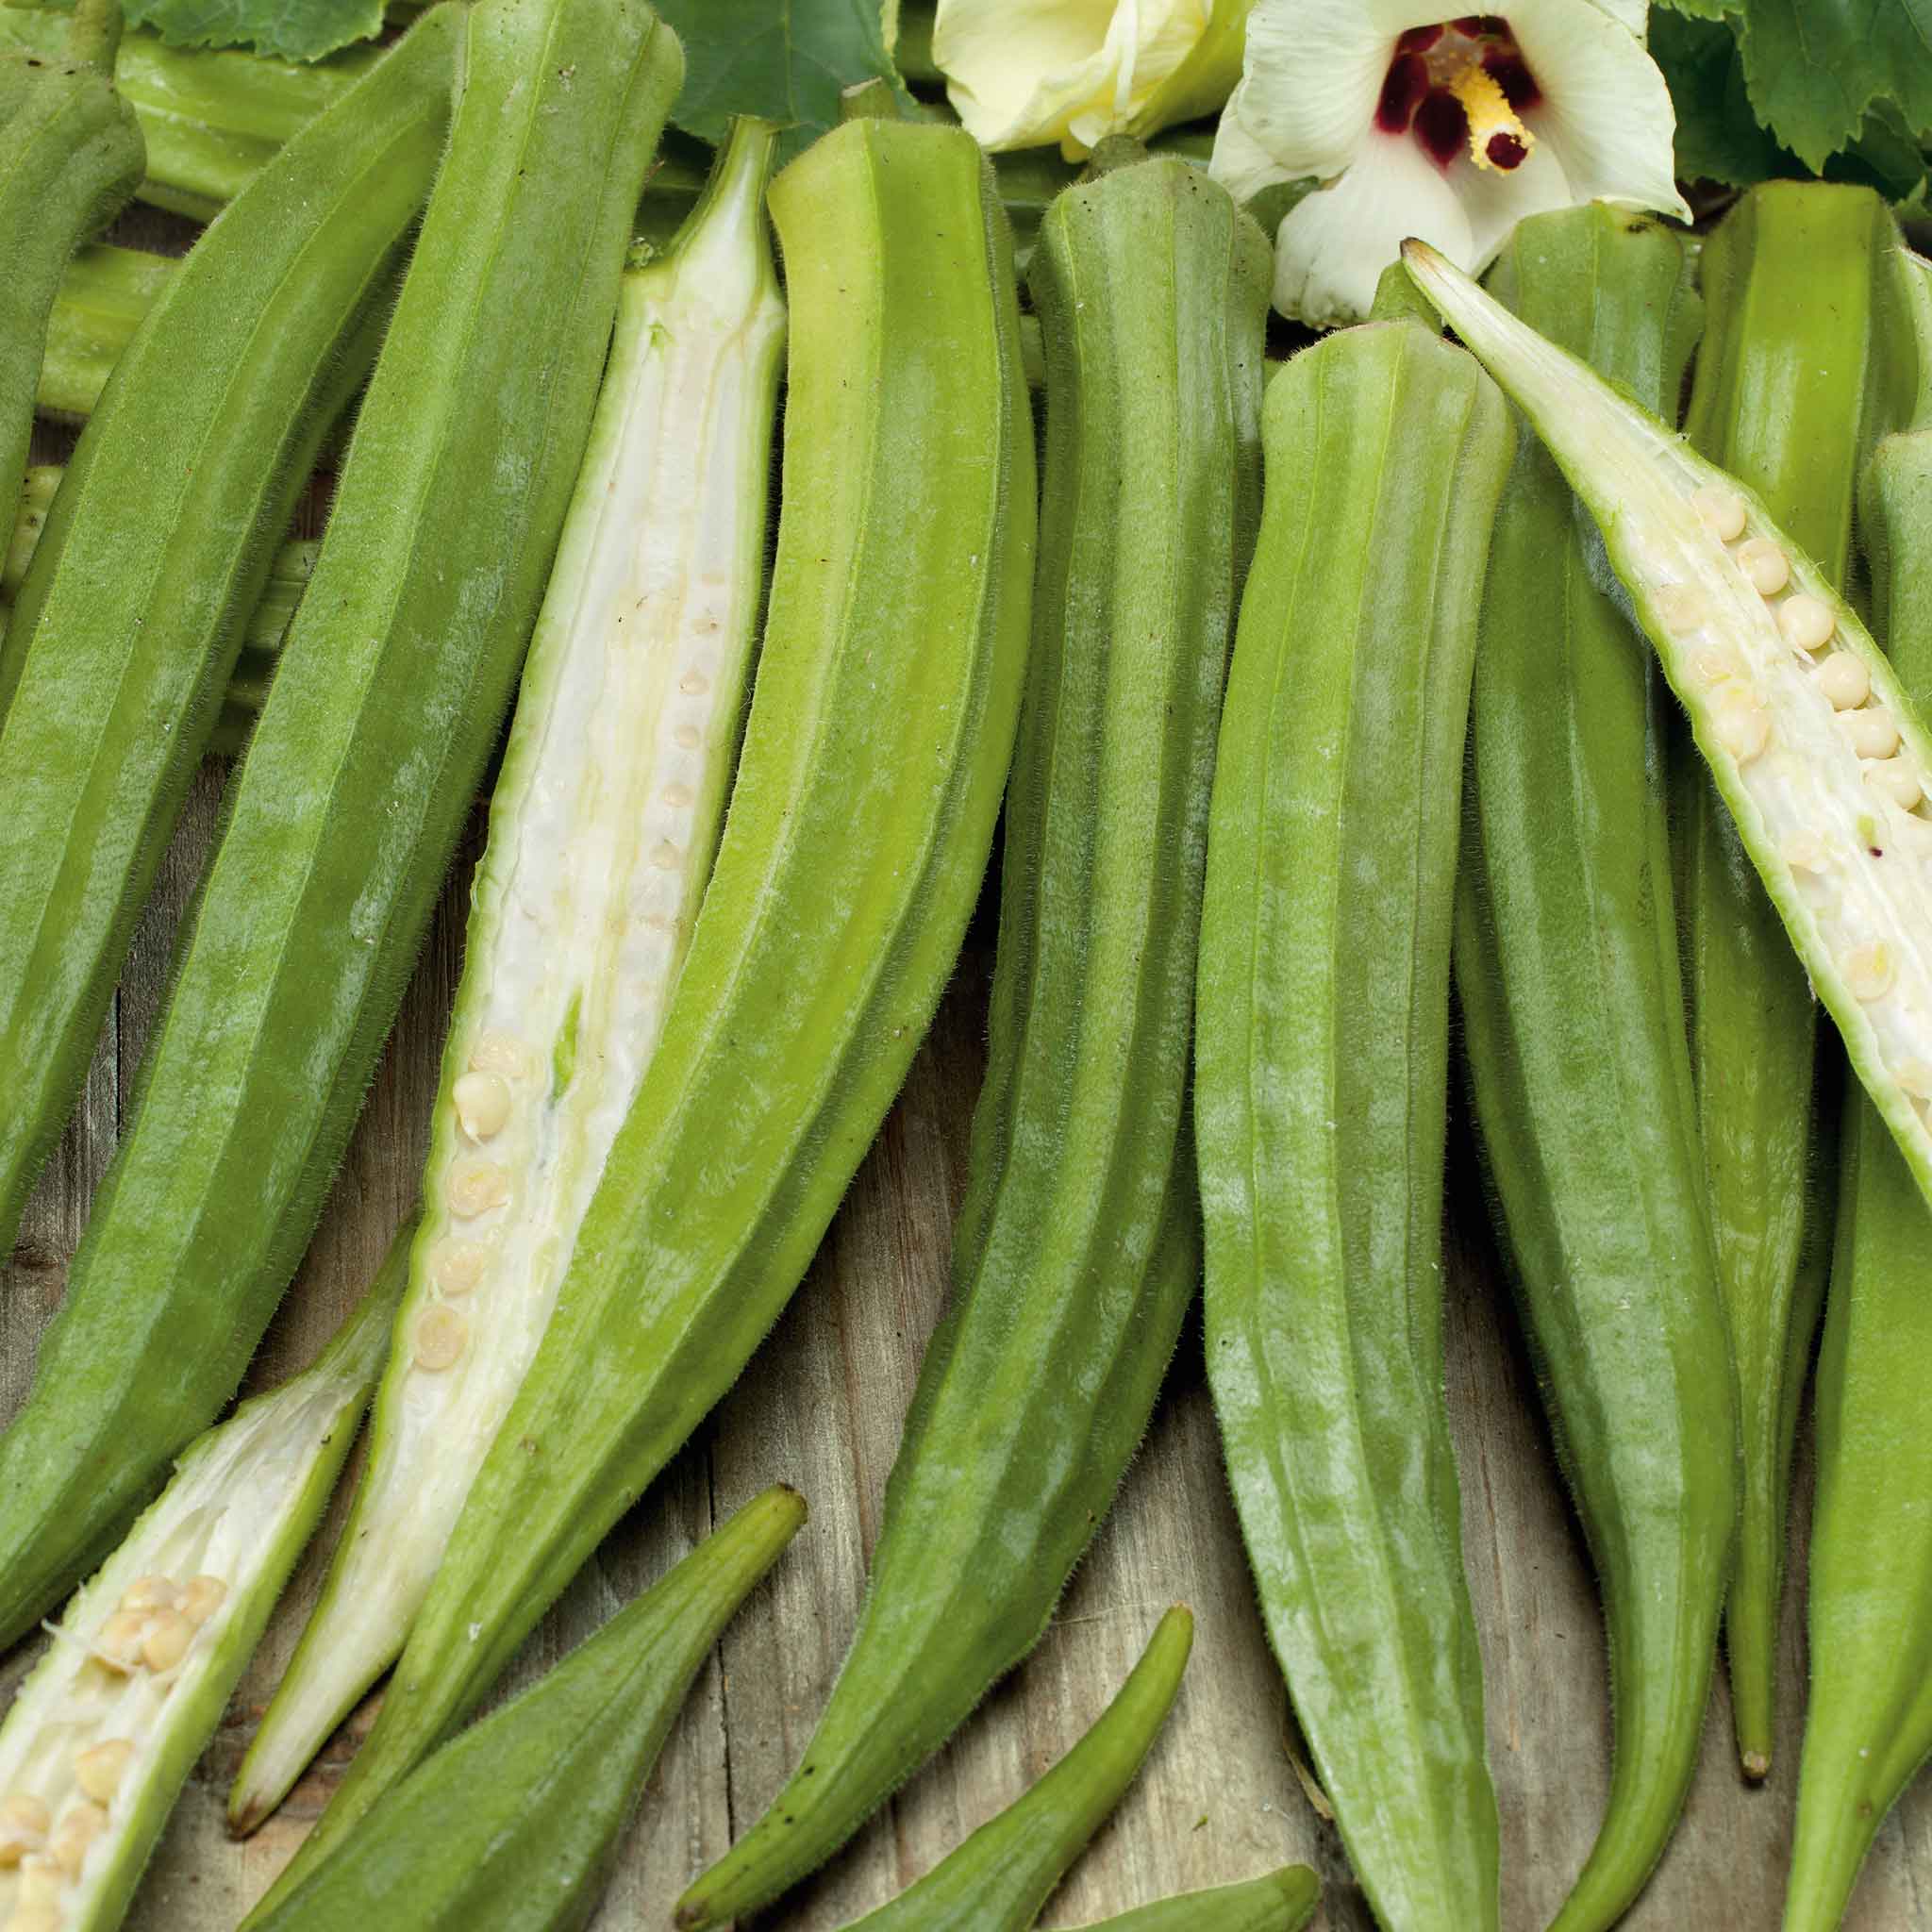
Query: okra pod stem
[612, 792]
[1568, 977]
[1320, 1069]
[1078, 1248]
[510, 1828]
[876, 747]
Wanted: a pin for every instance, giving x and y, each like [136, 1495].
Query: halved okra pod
[602, 828]
[70, 156]
[130, 614]
[1568, 979]
[1780, 388]
[1078, 1247]
[1867, 1723]
[106, 1728]
[343, 815]
[1001, 1877]
[511, 1826]
[874, 755]
[1321, 1055]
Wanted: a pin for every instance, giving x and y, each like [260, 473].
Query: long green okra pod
[876, 748]
[101, 298]
[342, 817]
[511, 1826]
[1868, 1725]
[1284, 1901]
[1078, 1247]
[130, 614]
[1321, 1048]
[1568, 977]
[1779, 392]
[603, 825]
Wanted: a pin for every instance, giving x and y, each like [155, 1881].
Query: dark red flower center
[1461, 87]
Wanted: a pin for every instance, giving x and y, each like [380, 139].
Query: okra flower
[1452, 130]
[1024, 72]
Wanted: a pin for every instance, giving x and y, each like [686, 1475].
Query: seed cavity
[693, 684]
[1807, 621]
[99, 1769]
[1915, 1076]
[80, 1824]
[1682, 606]
[665, 856]
[1711, 666]
[1895, 779]
[1869, 970]
[169, 1634]
[685, 738]
[678, 796]
[1743, 730]
[477, 1186]
[203, 1597]
[441, 1335]
[1843, 679]
[1766, 567]
[458, 1264]
[1723, 511]
[1806, 852]
[24, 1822]
[482, 1102]
[499, 1053]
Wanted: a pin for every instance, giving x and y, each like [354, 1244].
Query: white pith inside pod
[1814, 746]
[602, 832]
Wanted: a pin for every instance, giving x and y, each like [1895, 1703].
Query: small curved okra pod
[70, 157]
[1568, 979]
[611, 792]
[1283, 1902]
[342, 817]
[1868, 1723]
[510, 1828]
[1002, 1876]
[1078, 1248]
[1791, 703]
[129, 616]
[1322, 1039]
[1780, 387]
[106, 1727]
[874, 755]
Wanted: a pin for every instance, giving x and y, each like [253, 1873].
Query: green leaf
[294, 29]
[1718, 135]
[785, 59]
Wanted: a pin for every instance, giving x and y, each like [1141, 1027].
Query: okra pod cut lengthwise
[343, 815]
[602, 827]
[1078, 1248]
[1321, 1056]
[876, 748]
[1568, 980]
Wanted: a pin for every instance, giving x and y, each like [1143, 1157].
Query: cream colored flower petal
[1240, 162]
[1495, 199]
[1016, 69]
[1203, 81]
[1332, 246]
[1635, 14]
[1605, 110]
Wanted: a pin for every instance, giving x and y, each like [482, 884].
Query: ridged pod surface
[101, 298]
[881, 726]
[106, 1727]
[342, 817]
[511, 1826]
[1781, 381]
[602, 823]
[1283, 1902]
[1569, 983]
[1321, 1053]
[1867, 1723]
[998, 1880]
[130, 614]
[1078, 1247]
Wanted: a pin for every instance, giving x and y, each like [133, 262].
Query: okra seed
[499, 1053]
[476, 1186]
[1807, 621]
[1723, 511]
[152, 1594]
[440, 1336]
[482, 1104]
[1766, 567]
[1806, 852]
[98, 1770]
[119, 1642]
[665, 856]
[166, 1642]
[1871, 731]
[203, 1597]
[1743, 730]
[459, 1265]
[23, 1821]
[39, 1881]
[687, 737]
[1682, 606]
[1712, 665]
[80, 1824]
[678, 796]
[41, 1918]
[1869, 970]
[694, 684]
[1896, 779]
[1843, 679]
[1915, 1076]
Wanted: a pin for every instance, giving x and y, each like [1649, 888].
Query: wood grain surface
[1221, 1798]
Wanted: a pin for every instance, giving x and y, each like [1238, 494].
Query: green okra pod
[1001, 1877]
[1321, 1068]
[1782, 374]
[1284, 1901]
[130, 614]
[100, 303]
[106, 1727]
[880, 728]
[1867, 1723]
[1568, 979]
[1078, 1247]
[342, 817]
[511, 1826]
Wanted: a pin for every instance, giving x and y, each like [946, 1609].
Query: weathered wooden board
[821, 1406]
